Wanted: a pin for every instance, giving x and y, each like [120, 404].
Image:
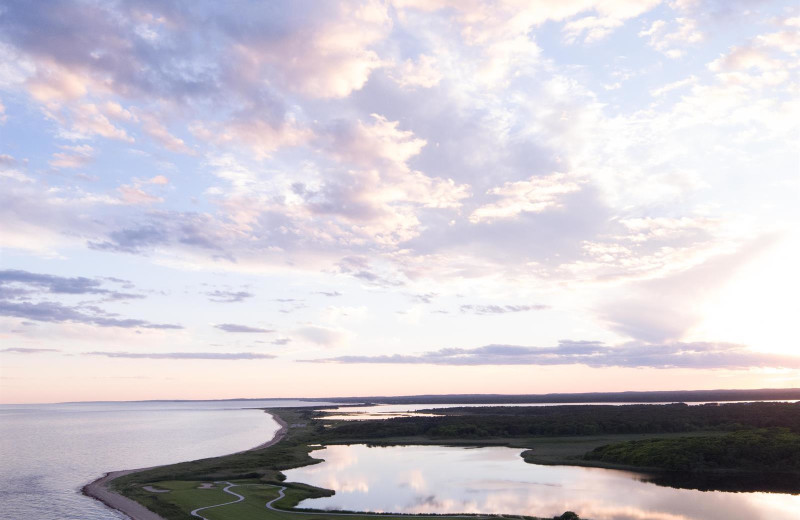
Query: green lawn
[187, 496]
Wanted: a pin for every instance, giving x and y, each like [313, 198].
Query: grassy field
[187, 496]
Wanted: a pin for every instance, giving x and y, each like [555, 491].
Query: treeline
[577, 420]
[674, 396]
[775, 450]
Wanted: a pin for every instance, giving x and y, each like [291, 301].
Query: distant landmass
[669, 396]
[672, 396]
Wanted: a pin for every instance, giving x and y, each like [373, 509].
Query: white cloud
[73, 157]
[88, 119]
[330, 58]
[591, 28]
[323, 336]
[743, 58]
[135, 195]
[535, 195]
[422, 73]
[370, 145]
[673, 43]
[54, 84]
[159, 132]
[675, 85]
[158, 179]
[261, 137]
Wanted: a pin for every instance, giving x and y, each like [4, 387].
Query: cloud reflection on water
[437, 479]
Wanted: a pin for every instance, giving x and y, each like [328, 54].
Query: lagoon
[439, 479]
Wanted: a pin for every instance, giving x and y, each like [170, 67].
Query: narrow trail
[282, 493]
[227, 489]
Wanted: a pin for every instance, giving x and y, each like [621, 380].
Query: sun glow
[758, 306]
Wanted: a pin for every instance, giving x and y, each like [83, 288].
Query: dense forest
[773, 450]
[577, 420]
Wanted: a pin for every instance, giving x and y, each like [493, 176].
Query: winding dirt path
[227, 489]
[99, 490]
[282, 493]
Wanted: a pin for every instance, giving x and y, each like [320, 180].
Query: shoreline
[98, 489]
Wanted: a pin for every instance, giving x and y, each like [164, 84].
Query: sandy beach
[99, 490]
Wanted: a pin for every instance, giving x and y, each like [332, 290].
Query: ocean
[48, 452]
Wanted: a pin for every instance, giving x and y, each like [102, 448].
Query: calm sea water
[48, 452]
[437, 479]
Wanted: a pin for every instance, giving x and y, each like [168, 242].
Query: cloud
[500, 31]
[593, 27]
[74, 157]
[375, 143]
[536, 195]
[281, 341]
[331, 55]
[359, 267]
[158, 179]
[424, 297]
[88, 119]
[363, 187]
[18, 288]
[132, 240]
[228, 296]
[55, 312]
[501, 309]
[194, 231]
[232, 327]
[323, 336]
[423, 73]
[25, 282]
[665, 307]
[672, 43]
[134, 195]
[242, 58]
[161, 134]
[743, 58]
[330, 294]
[787, 40]
[261, 137]
[675, 85]
[20, 350]
[221, 356]
[591, 353]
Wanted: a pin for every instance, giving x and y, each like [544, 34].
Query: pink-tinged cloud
[590, 353]
[72, 157]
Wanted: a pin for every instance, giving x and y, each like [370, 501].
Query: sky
[300, 199]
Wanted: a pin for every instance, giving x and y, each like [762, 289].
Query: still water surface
[48, 452]
[437, 479]
[389, 411]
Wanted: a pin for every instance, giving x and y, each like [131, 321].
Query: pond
[439, 479]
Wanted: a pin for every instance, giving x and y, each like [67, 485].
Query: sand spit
[99, 488]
